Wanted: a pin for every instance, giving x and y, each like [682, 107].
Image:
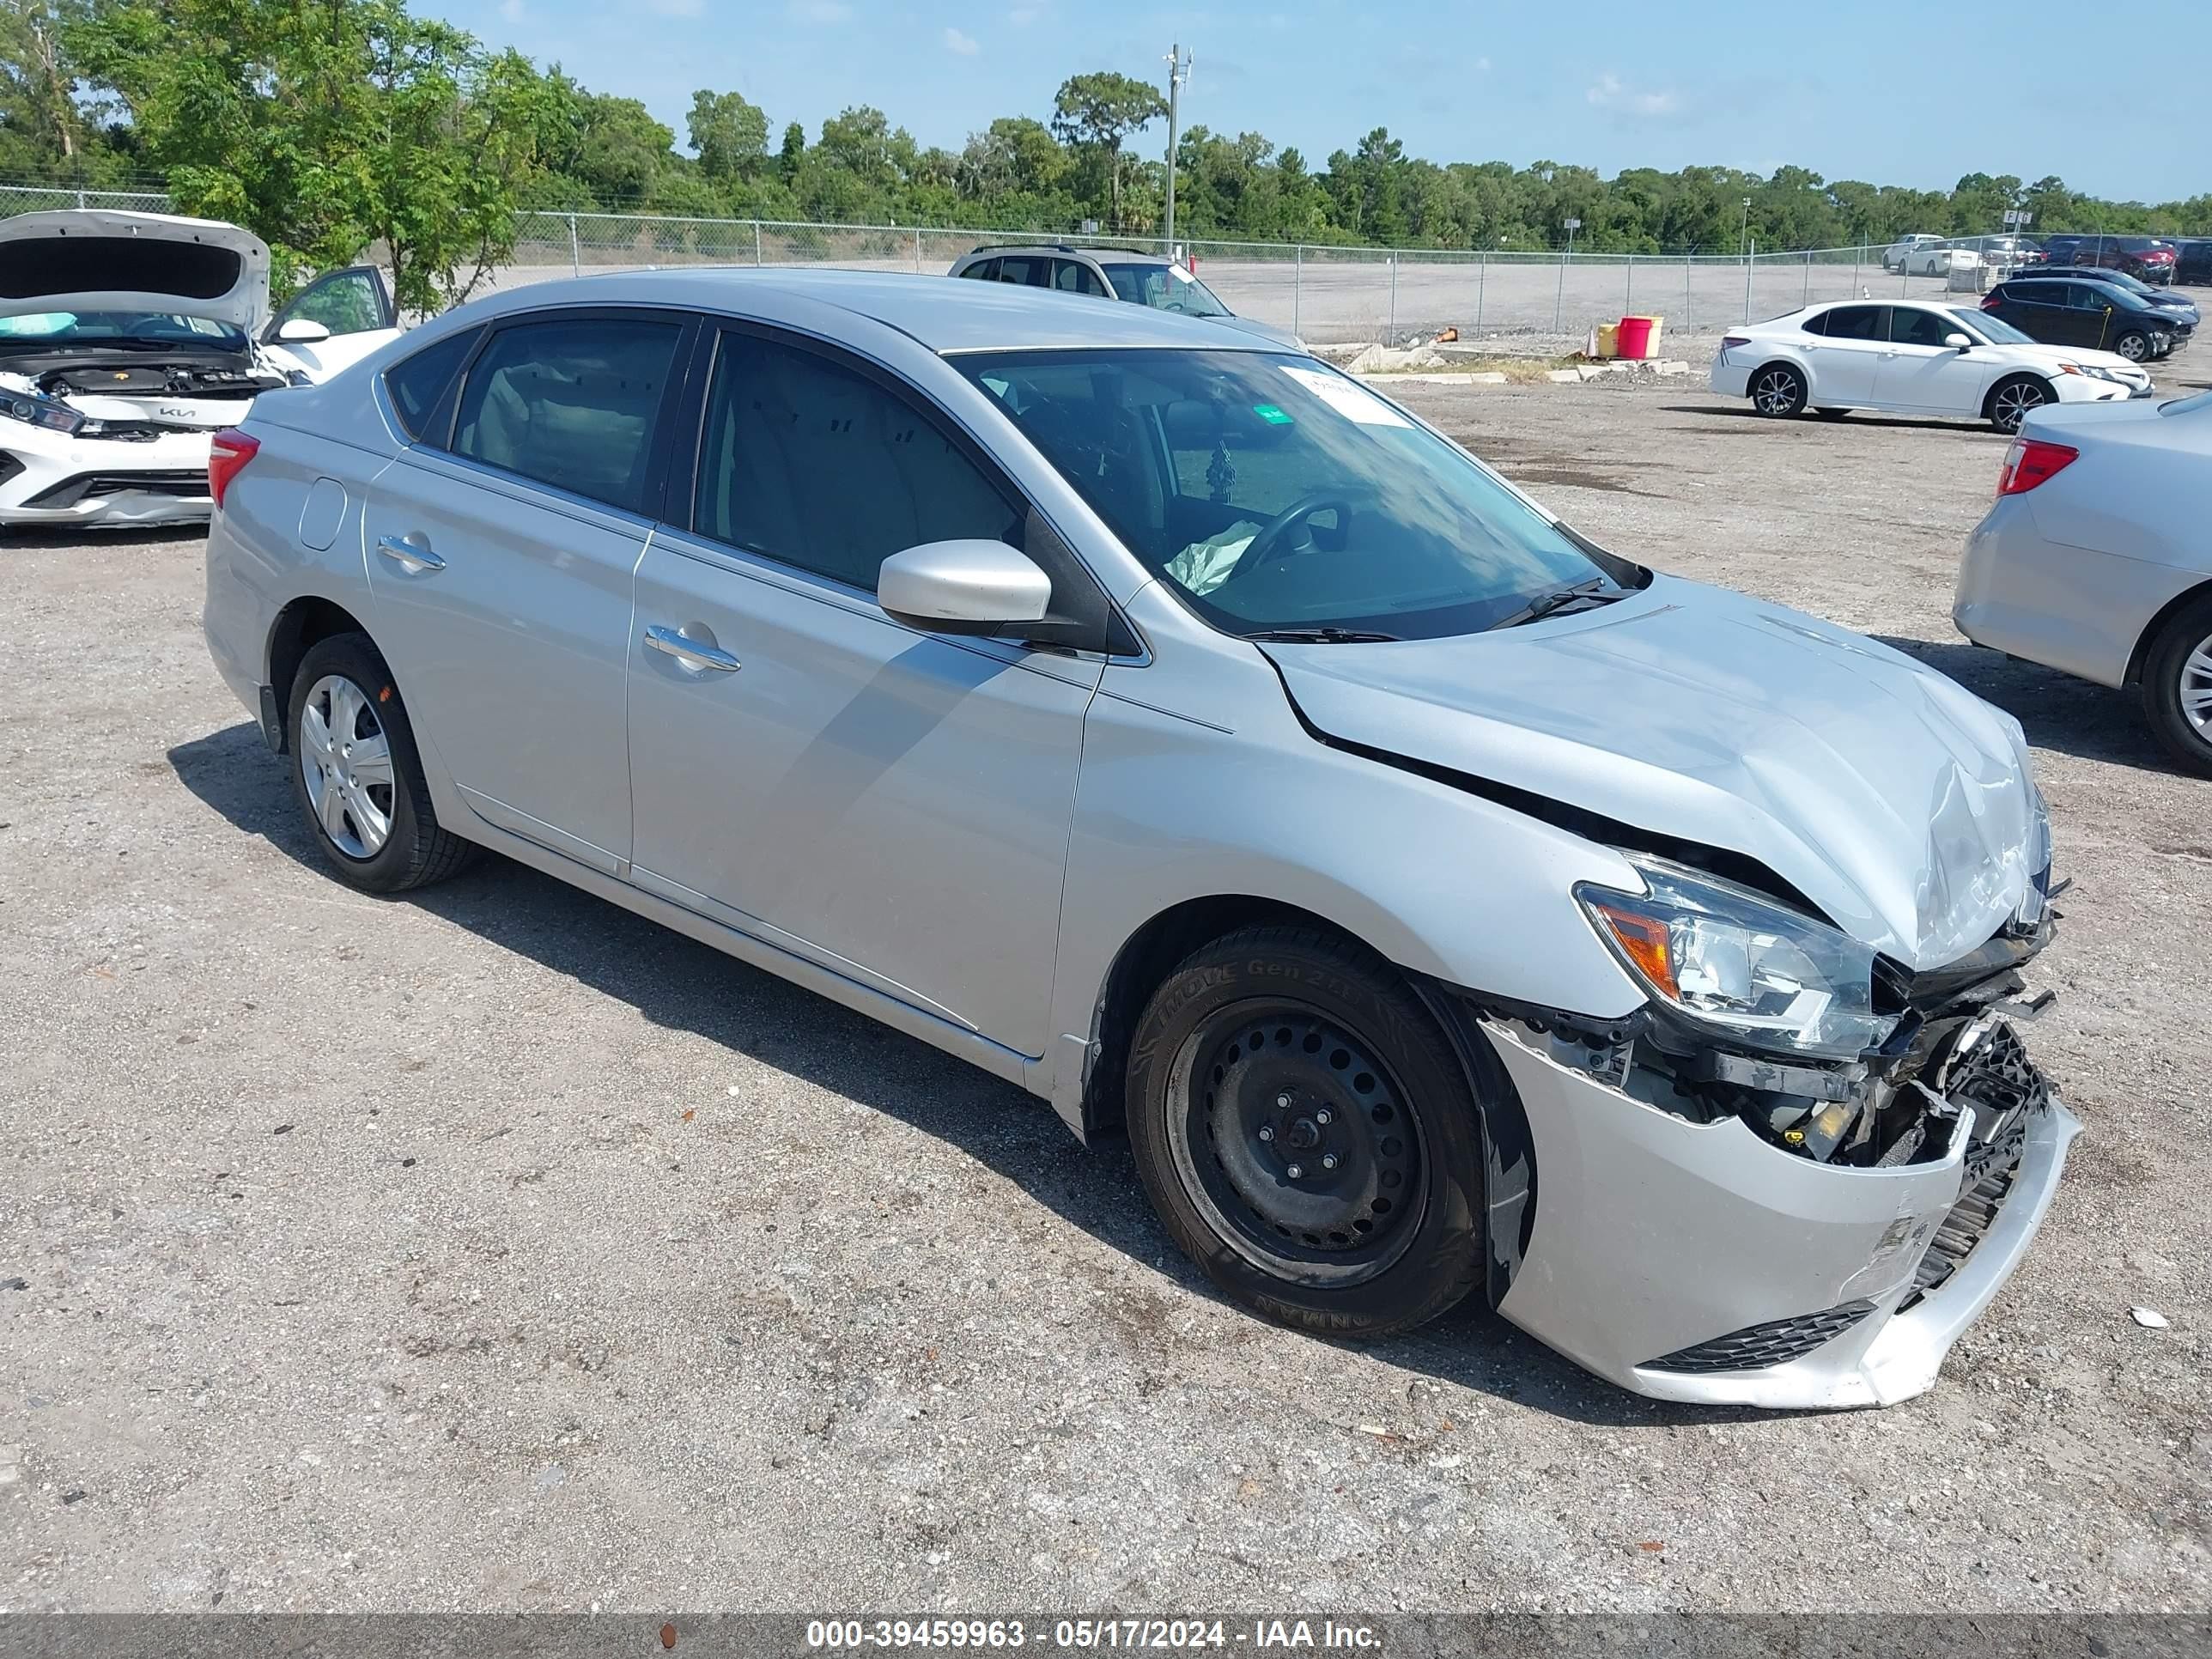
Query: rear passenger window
[1024, 269]
[417, 383]
[1855, 323]
[571, 403]
[816, 465]
[2036, 293]
[983, 271]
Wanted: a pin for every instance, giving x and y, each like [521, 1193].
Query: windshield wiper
[1592, 591]
[1321, 636]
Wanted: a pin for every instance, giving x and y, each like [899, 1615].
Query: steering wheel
[1269, 545]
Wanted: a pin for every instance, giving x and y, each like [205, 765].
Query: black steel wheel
[1308, 1135]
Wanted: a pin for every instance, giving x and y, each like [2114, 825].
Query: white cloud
[511, 10]
[1610, 92]
[963, 44]
[820, 11]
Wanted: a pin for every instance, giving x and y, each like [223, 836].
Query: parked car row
[2159, 259]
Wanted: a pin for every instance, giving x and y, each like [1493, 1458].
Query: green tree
[325, 126]
[38, 103]
[730, 134]
[1096, 113]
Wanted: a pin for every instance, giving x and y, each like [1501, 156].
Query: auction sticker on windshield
[1347, 397]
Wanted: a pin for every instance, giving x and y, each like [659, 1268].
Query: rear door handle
[692, 652]
[411, 553]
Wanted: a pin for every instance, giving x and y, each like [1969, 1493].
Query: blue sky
[1888, 93]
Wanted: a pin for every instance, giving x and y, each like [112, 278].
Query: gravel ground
[495, 1249]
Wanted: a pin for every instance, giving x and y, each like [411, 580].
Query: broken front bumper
[1695, 1261]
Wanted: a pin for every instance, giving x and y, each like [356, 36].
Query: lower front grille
[1997, 1082]
[1755, 1347]
[185, 482]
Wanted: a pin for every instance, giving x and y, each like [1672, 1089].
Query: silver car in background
[2096, 559]
[1443, 905]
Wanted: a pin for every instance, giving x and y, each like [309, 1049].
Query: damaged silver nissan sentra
[1443, 904]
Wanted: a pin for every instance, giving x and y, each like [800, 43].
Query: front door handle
[692, 652]
[411, 553]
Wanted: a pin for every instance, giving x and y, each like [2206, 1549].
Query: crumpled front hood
[1886, 794]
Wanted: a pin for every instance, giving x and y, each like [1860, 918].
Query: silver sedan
[2095, 558]
[1442, 904]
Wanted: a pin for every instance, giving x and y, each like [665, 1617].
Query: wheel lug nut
[1329, 1160]
[1295, 1170]
[1284, 1102]
[1322, 1116]
[1265, 1133]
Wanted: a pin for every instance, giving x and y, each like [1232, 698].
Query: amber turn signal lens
[1645, 942]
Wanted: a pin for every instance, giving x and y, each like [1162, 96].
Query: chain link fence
[1329, 294]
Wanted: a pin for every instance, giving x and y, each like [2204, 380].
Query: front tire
[2012, 401]
[1307, 1135]
[358, 775]
[1778, 391]
[2177, 686]
[2135, 345]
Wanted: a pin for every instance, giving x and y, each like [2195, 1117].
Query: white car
[1941, 259]
[1921, 359]
[1893, 256]
[127, 339]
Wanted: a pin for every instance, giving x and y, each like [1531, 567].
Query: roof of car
[1123, 253]
[942, 314]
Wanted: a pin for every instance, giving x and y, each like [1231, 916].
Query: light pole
[1558, 301]
[1179, 62]
[1743, 231]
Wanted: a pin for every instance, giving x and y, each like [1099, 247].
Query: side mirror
[964, 587]
[301, 331]
[1959, 340]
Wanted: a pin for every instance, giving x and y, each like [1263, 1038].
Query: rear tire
[2011, 401]
[2177, 686]
[358, 775]
[1306, 1134]
[1778, 392]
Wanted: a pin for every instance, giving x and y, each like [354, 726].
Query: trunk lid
[1885, 792]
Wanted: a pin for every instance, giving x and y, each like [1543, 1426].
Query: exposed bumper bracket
[273, 721]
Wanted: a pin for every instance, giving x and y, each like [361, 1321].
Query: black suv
[2182, 307]
[2094, 315]
[2193, 260]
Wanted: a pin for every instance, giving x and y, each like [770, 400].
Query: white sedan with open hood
[126, 339]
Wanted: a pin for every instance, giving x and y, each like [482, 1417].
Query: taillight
[2030, 462]
[1991, 301]
[228, 453]
[1728, 340]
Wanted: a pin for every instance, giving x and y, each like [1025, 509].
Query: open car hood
[1886, 793]
[86, 260]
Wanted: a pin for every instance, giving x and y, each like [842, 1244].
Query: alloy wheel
[2131, 347]
[1776, 392]
[345, 758]
[1296, 1144]
[2013, 401]
[2193, 688]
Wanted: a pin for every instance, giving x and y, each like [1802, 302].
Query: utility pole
[1179, 62]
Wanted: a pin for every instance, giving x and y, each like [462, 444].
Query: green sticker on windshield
[1270, 415]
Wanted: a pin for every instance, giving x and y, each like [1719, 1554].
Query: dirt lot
[493, 1248]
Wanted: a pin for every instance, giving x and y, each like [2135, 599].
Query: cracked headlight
[36, 409]
[1759, 972]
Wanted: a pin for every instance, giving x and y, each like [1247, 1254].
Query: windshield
[1993, 329]
[1275, 494]
[1165, 288]
[41, 329]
